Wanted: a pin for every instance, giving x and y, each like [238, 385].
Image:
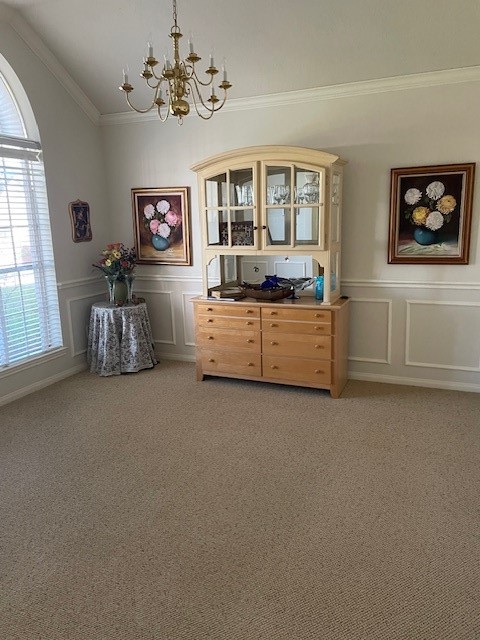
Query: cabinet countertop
[302, 302]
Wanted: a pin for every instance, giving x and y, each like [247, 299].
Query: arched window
[29, 315]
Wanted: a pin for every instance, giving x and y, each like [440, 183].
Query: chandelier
[179, 79]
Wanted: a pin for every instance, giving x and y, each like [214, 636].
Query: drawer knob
[317, 315]
[211, 360]
[209, 309]
[211, 338]
[274, 324]
[318, 328]
[273, 366]
[318, 371]
[249, 311]
[210, 320]
[250, 340]
[249, 322]
[274, 313]
[273, 342]
[318, 346]
[250, 364]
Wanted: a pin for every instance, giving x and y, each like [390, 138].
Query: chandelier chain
[175, 12]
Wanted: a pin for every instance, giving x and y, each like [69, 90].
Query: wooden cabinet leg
[200, 375]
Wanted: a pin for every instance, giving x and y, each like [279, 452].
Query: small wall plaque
[80, 219]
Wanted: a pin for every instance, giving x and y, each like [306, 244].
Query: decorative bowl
[255, 291]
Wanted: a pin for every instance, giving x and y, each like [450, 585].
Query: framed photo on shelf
[431, 214]
[242, 233]
[161, 225]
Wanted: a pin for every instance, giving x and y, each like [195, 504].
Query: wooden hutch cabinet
[259, 203]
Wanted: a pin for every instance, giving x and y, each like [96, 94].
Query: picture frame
[242, 233]
[80, 220]
[161, 224]
[431, 214]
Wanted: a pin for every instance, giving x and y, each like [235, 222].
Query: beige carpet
[151, 506]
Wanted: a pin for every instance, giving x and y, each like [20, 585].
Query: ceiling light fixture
[180, 80]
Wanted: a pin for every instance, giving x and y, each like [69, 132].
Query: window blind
[29, 314]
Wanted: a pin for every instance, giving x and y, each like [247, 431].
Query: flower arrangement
[117, 261]
[431, 209]
[160, 219]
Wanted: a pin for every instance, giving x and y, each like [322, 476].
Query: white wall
[409, 324]
[74, 168]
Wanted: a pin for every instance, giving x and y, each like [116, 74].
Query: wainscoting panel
[415, 333]
[78, 310]
[371, 332]
[290, 269]
[248, 269]
[162, 316]
[170, 311]
[441, 335]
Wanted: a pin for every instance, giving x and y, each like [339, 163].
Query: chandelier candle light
[180, 81]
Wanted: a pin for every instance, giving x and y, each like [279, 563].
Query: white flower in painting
[434, 220]
[435, 190]
[412, 196]
[162, 207]
[164, 230]
[148, 211]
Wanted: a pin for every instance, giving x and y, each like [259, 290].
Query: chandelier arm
[154, 86]
[167, 113]
[211, 110]
[219, 106]
[154, 75]
[197, 79]
[141, 110]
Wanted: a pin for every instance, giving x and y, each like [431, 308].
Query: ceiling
[270, 46]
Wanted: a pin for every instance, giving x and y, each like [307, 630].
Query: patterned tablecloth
[119, 339]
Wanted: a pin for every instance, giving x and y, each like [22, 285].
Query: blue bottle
[319, 288]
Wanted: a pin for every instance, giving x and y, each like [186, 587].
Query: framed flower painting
[161, 224]
[431, 214]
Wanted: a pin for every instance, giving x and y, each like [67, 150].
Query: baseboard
[46, 382]
[174, 356]
[369, 377]
[415, 382]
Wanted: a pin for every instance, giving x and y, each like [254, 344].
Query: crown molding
[36, 45]
[346, 90]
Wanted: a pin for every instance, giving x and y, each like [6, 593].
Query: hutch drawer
[291, 344]
[297, 315]
[228, 339]
[284, 326]
[232, 310]
[229, 322]
[243, 365]
[297, 369]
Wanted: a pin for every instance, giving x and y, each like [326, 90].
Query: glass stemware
[281, 194]
[311, 188]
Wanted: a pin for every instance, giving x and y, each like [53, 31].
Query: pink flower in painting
[172, 218]
[163, 230]
[154, 224]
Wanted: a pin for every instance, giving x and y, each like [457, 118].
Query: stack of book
[233, 293]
